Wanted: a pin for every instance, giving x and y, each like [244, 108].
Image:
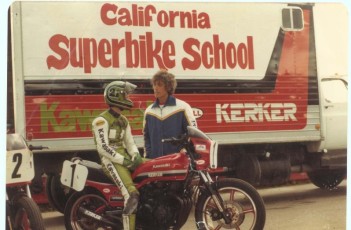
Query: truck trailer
[267, 81]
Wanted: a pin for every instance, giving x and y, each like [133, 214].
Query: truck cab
[334, 97]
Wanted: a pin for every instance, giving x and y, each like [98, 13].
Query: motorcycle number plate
[74, 175]
[19, 166]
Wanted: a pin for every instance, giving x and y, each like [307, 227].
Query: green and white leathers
[116, 147]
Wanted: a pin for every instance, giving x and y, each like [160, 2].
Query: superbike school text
[146, 50]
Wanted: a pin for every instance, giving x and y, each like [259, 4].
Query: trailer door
[334, 110]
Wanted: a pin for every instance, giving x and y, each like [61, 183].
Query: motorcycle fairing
[19, 160]
[109, 190]
[205, 147]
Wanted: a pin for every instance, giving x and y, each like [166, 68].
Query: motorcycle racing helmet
[116, 94]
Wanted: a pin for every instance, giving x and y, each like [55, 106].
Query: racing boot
[130, 208]
[131, 204]
[129, 221]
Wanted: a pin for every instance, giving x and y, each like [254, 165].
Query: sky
[4, 4]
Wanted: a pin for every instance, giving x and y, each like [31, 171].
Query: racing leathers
[119, 155]
[165, 121]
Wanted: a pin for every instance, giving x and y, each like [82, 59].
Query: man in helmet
[115, 145]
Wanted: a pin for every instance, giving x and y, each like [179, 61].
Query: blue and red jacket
[169, 120]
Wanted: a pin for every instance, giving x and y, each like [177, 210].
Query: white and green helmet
[116, 92]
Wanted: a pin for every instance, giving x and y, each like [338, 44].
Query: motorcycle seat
[90, 164]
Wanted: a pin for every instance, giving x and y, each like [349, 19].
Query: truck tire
[56, 194]
[327, 179]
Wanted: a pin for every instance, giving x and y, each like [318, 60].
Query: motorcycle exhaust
[97, 217]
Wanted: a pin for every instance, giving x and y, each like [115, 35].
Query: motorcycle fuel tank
[170, 167]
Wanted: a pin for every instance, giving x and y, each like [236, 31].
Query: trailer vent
[292, 19]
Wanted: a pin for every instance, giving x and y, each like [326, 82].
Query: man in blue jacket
[166, 117]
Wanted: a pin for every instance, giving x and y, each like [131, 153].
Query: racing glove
[137, 159]
[134, 162]
[127, 163]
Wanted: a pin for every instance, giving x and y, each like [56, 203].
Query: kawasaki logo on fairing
[161, 166]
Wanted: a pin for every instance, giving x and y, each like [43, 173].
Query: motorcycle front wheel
[82, 211]
[27, 215]
[241, 201]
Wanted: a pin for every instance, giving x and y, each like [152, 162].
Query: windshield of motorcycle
[206, 147]
[15, 142]
[197, 133]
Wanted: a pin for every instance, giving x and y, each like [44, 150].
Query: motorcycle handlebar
[175, 140]
[37, 147]
[170, 140]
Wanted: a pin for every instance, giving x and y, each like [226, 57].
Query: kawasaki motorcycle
[170, 187]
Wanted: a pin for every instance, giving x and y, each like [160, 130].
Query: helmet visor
[129, 87]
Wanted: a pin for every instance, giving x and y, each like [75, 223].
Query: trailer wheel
[327, 179]
[56, 192]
